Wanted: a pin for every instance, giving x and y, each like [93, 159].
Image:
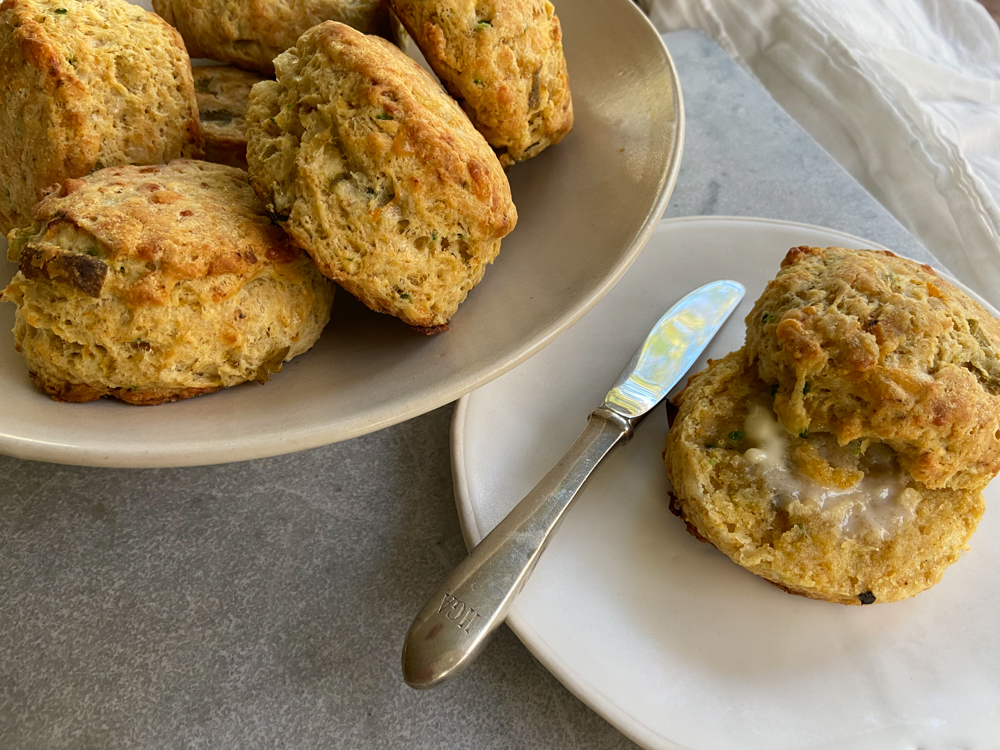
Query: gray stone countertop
[264, 604]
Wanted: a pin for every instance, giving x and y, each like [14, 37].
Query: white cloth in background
[905, 94]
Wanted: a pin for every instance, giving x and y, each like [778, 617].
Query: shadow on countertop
[258, 604]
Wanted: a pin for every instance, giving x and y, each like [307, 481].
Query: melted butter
[878, 500]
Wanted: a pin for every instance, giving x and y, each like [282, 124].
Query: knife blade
[456, 622]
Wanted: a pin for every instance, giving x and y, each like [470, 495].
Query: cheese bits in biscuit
[152, 284]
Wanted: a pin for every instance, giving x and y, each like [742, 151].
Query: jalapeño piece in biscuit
[152, 284]
[845, 524]
[867, 345]
[503, 61]
[378, 174]
[222, 92]
[251, 33]
[86, 84]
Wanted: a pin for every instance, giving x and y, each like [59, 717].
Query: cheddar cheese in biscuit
[378, 174]
[86, 84]
[152, 284]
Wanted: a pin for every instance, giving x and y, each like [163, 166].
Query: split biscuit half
[842, 523]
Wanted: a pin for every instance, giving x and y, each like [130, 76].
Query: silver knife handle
[457, 621]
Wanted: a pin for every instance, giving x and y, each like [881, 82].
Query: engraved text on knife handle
[456, 621]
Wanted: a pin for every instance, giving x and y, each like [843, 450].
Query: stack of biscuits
[176, 230]
[841, 454]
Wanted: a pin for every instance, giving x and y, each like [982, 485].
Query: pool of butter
[861, 485]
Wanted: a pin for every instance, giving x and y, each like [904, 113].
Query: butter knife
[456, 622]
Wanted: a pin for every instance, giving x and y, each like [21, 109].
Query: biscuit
[378, 174]
[86, 84]
[503, 61]
[152, 284]
[251, 33]
[222, 92]
[845, 524]
[865, 344]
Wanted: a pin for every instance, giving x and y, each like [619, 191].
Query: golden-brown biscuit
[251, 33]
[503, 61]
[378, 174]
[86, 84]
[845, 524]
[865, 344]
[152, 284]
[223, 92]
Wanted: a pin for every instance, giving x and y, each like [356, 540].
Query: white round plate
[664, 636]
[585, 209]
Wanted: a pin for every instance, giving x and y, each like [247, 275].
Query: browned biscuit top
[157, 225]
[503, 60]
[152, 284]
[422, 135]
[86, 84]
[865, 344]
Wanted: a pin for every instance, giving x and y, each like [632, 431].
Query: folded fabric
[905, 94]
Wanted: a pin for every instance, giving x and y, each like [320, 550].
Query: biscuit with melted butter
[845, 524]
[374, 170]
[86, 84]
[867, 345]
[153, 284]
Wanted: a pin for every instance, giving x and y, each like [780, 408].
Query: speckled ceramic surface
[665, 636]
[585, 208]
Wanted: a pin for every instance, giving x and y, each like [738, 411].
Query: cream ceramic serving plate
[585, 209]
[662, 634]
